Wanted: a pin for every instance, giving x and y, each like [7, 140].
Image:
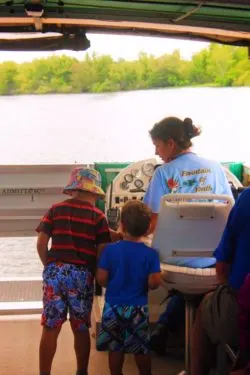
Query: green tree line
[216, 65]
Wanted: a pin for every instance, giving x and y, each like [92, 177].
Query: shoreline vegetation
[215, 66]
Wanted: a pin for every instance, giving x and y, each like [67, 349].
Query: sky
[127, 47]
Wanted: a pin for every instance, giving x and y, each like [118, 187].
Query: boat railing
[20, 295]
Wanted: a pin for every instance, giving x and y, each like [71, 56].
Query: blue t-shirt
[234, 247]
[188, 173]
[129, 265]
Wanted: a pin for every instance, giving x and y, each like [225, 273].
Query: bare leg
[47, 348]
[143, 362]
[116, 360]
[82, 349]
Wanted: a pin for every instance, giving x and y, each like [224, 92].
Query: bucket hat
[85, 179]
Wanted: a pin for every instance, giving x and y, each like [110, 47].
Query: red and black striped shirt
[76, 229]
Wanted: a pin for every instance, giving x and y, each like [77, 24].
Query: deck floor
[20, 337]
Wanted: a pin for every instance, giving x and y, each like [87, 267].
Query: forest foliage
[216, 65]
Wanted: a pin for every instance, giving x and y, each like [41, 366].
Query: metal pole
[189, 317]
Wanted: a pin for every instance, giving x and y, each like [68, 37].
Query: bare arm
[102, 277]
[222, 272]
[154, 280]
[115, 235]
[42, 247]
[100, 249]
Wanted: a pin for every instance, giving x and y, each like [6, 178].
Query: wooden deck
[20, 306]
[20, 337]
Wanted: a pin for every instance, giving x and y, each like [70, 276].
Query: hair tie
[188, 127]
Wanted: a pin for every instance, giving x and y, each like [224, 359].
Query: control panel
[131, 183]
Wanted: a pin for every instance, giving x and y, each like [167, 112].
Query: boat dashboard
[132, 182]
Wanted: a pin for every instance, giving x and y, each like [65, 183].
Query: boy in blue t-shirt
[128, 269]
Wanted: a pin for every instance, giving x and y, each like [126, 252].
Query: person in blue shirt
[232, 267]
[182, 172]
[128, 269]
[233, 252]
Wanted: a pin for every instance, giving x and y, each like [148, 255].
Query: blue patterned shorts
[67, 288]
[124, 329]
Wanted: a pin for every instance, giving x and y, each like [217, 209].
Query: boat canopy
[223, 21]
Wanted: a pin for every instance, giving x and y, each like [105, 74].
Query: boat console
[132, 183]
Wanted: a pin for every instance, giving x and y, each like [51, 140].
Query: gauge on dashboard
[134, 172]
[128, 178]
[148, 169]
[139, 183]
[124, 185]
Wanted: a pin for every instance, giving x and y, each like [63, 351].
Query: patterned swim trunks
[67, 288]
[124, 329]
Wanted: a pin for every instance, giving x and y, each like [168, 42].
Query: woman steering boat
[183, 171]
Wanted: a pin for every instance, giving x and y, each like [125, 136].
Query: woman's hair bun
[190, 130]
[188, 121]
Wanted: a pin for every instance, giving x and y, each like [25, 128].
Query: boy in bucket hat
[77, 230]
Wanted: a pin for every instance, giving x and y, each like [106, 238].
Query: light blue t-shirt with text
[188, 173]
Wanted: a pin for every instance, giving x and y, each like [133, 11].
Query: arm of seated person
[222, 272]
[225, 251]
[102, 277]
[154, 280]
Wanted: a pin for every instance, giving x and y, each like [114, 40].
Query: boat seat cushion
[190, 262]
